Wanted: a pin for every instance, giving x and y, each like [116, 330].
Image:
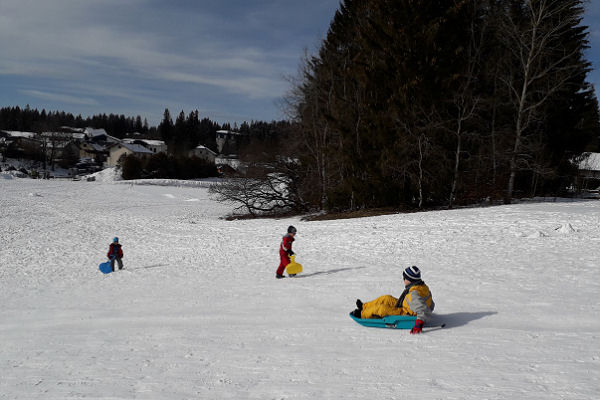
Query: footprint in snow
[538, 234]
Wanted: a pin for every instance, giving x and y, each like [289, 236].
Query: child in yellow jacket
[415, 300]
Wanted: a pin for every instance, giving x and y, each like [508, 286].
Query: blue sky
[229, 59]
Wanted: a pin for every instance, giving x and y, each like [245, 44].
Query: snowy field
[198, 313]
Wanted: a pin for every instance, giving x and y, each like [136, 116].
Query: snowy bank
[197, 313]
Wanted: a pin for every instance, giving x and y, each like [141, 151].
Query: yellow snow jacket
[418, 301]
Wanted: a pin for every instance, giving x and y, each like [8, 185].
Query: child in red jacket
[285, 251]
[115, 253]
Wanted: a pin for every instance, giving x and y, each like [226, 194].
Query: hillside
[197, 313]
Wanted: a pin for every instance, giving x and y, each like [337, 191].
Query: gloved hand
[418, 328]
[290, 253]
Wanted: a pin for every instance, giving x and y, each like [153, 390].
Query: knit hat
[412, 274]
[291, 229]
[115, 240]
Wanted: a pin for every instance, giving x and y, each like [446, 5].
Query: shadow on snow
[455, 320]
[328, 272]
[150, 266]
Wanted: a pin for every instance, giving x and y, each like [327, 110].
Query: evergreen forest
[430, 103]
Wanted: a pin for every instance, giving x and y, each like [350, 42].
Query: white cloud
[63, 98]
[45, 41]
[148, 54]
[254, 87]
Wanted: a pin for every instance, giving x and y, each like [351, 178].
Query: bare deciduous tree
[268, 188]
[266, 195]
[465, 103]
[540, 66]
[306, 104]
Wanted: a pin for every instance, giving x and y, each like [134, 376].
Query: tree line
[187, 132]
[254, 141]
[442, 103]
[32, 120]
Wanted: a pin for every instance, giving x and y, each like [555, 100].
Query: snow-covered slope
[198, 314]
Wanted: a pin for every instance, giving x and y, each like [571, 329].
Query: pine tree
[166, 130]
[368, 101]
[180, 136]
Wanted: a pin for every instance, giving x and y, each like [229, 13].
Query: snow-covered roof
[204, 147]
[80, 130]
[94, 146]
[147, 141]
[153, 142]
[95, 132]
[591, 163]
[136, 148]
[20, 134]
[232, 162]
[65, 135]
[226, 132]
[112, 139]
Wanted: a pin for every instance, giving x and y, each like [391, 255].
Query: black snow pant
[119, 261]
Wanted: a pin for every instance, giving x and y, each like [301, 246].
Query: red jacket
[286, 245]
[115, 251]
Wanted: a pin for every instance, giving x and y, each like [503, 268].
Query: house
[19, 134]
[226, 170]
[99, 136]
[228, 140]
[229, 164]
[63, 136]
[22, 143]
[118, 150]
[95, 134]
[77, 133]
[204, 153]
[54, 143]
[589, 167]
[92, 150]
[156, 146]
[589, 171]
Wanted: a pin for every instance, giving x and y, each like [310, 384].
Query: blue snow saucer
[392, 321]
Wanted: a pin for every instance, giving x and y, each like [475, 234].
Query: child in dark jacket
[285, 251]
[115, 253]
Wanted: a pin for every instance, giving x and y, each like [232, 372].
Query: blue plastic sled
[392, 321]
[105, 267]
